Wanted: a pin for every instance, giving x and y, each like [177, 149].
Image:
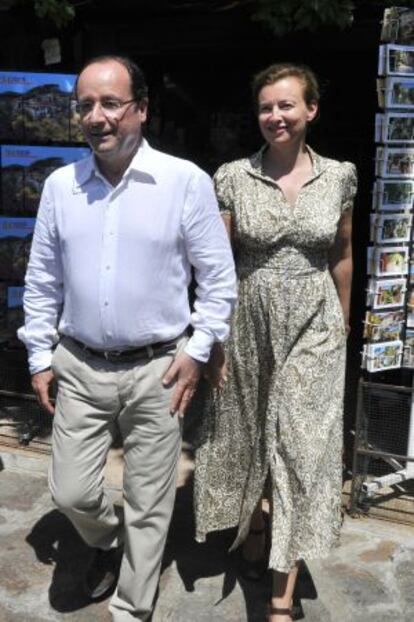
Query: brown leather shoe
[102, 573]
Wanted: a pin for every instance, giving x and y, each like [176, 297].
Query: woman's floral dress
[280, 414]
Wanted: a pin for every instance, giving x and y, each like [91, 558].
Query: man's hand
[215, 371]
[41, 383]
[186, 371]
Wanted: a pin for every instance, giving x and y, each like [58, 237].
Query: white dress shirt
[110, 266]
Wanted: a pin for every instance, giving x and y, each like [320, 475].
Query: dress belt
[130, 354]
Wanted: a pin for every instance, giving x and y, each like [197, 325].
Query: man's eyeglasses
[110, 107]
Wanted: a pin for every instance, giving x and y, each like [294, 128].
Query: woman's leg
[254, 545]
[283, 585]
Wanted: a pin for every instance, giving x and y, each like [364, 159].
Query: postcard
[388, 260]
[408, 358]
[391, 228]
[15, 241]
[386, 294]
[396, 60]
[395, 162]
[393, 195]
[383, 356]
[395, 92]
[24, 170]
[37, 107]
[394, 127]
[383, 326]
[398, 25]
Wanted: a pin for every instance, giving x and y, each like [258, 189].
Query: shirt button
[106, 303]
[108, 267]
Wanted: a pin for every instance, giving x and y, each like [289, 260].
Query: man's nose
[96, 114]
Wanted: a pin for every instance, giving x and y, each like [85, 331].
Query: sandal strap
[280, 611]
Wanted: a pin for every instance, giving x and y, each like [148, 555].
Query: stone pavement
[369, 577]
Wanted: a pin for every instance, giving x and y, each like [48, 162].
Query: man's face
[110, 121]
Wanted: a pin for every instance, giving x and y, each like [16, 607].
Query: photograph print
[391, 228]
[15, 241]
[383, 356]
[383, 326]
[399, 93]
[23, 171]
[395, 162]
[389, 260]
[37, 107]
[398, 25]
[386, 294]
[397, 60]
[393, 195]
[394, 127]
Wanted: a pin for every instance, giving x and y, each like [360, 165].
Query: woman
[278, 419]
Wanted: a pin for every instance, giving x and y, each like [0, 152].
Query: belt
[131, 354]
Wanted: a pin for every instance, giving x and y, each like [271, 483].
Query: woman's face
[283, 113]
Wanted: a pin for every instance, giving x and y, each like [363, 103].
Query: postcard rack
[389, 320]
[384, 433]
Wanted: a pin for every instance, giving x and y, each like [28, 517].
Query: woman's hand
[215, 370]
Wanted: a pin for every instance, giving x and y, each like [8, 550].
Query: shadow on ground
[56, 542]
[196, 561]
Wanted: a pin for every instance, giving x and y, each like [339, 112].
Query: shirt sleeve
[43, 295]
[209, 252]
[223, 188]
[349, 186]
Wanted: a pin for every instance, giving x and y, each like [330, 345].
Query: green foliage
[61, 12]
[283, 16]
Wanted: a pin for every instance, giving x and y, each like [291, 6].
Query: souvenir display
[389, 321]
[36, 112]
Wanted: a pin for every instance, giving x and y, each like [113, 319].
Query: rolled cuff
[38, 361]
[199, 346]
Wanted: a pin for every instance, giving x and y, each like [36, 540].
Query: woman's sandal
[253, 570]
[279, 611]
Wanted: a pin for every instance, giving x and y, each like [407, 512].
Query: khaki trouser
[96, 398]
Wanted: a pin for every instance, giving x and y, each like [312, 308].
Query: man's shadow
[197, 561]
[56, 542]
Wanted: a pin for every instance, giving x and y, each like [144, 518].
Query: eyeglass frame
[106, 113]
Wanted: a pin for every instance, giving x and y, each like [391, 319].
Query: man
[115, 239]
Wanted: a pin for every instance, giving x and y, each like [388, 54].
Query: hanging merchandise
[389, 322]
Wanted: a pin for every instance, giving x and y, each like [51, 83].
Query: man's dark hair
[139, 87]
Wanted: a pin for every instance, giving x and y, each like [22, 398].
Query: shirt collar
[254, 164]
[142, 165]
